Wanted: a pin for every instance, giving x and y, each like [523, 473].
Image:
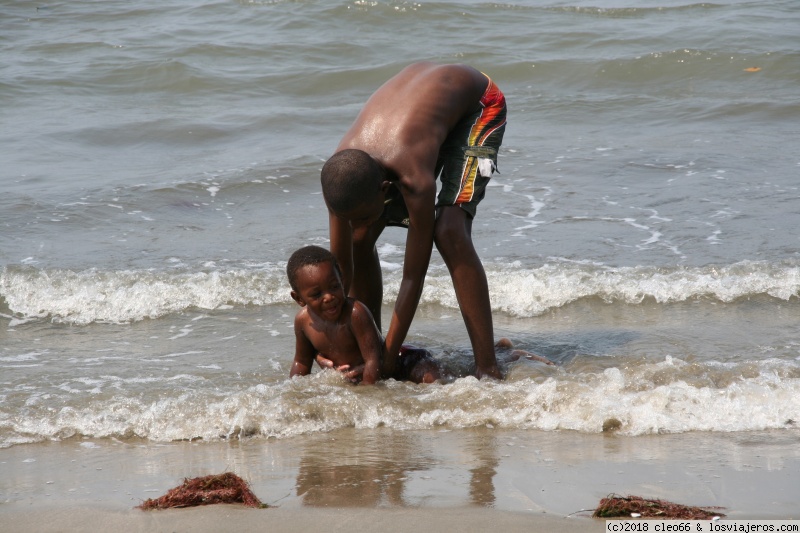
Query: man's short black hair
[350, 178]
[307, 255]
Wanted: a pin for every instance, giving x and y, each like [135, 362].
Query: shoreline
[367, 479]
[215, 518]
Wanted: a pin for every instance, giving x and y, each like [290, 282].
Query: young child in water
[341, 329]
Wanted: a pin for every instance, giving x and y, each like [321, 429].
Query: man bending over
[428, 121]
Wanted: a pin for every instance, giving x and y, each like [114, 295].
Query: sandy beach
[399, 481]
[233, 518]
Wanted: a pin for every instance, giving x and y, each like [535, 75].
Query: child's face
[320, 289]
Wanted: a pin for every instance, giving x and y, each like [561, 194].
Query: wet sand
[231, 518]
[399, 481]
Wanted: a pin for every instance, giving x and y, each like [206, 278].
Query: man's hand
[388, 364]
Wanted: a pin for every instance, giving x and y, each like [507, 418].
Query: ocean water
[160, 161]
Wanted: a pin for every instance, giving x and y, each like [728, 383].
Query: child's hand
[323, 361]
[354, 374]
[516, 354]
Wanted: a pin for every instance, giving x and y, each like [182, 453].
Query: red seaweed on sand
[615, 506]
[206, 490]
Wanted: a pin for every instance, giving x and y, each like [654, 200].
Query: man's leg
[453, 237]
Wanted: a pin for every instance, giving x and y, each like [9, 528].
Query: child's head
[353, 184]
[305, 256]
[317, 283]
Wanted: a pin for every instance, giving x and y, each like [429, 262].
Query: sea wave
[525, 293]
[668, 396]
[83, 297]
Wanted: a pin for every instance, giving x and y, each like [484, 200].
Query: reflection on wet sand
[481, 483]
[376, 469]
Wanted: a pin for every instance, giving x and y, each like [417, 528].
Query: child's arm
[304, 351]
[369, 341]
[506, 344]
[516, 354]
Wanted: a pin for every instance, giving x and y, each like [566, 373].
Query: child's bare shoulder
[301, 319]
[359, 310]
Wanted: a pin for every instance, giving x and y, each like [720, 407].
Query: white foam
[651, 398]
[124, 296]
[529, 292]
[387, 248]
[30, 356]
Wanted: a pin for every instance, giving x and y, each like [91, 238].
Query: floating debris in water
[635, 506]
[206, 490]
[611, 425]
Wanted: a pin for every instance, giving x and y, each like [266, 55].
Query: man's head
[351, 180]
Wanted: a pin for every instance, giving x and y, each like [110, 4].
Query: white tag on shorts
[486, 167]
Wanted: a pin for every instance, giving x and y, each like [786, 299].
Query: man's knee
[451, 232]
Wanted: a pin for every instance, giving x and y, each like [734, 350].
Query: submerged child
[342, 329]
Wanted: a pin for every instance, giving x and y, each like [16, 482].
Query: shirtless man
[427, 120]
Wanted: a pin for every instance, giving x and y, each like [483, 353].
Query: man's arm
[369, 341]
[420, 199]
[304, 352]
[355, 252]
[341, 235]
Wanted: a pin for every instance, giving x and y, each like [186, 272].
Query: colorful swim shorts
[468, 157]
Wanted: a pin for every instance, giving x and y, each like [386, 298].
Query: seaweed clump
[618, 506]
[206, 490]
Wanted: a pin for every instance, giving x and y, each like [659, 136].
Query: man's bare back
[405, 121]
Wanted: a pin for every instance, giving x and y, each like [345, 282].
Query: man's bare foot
[493, 373]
